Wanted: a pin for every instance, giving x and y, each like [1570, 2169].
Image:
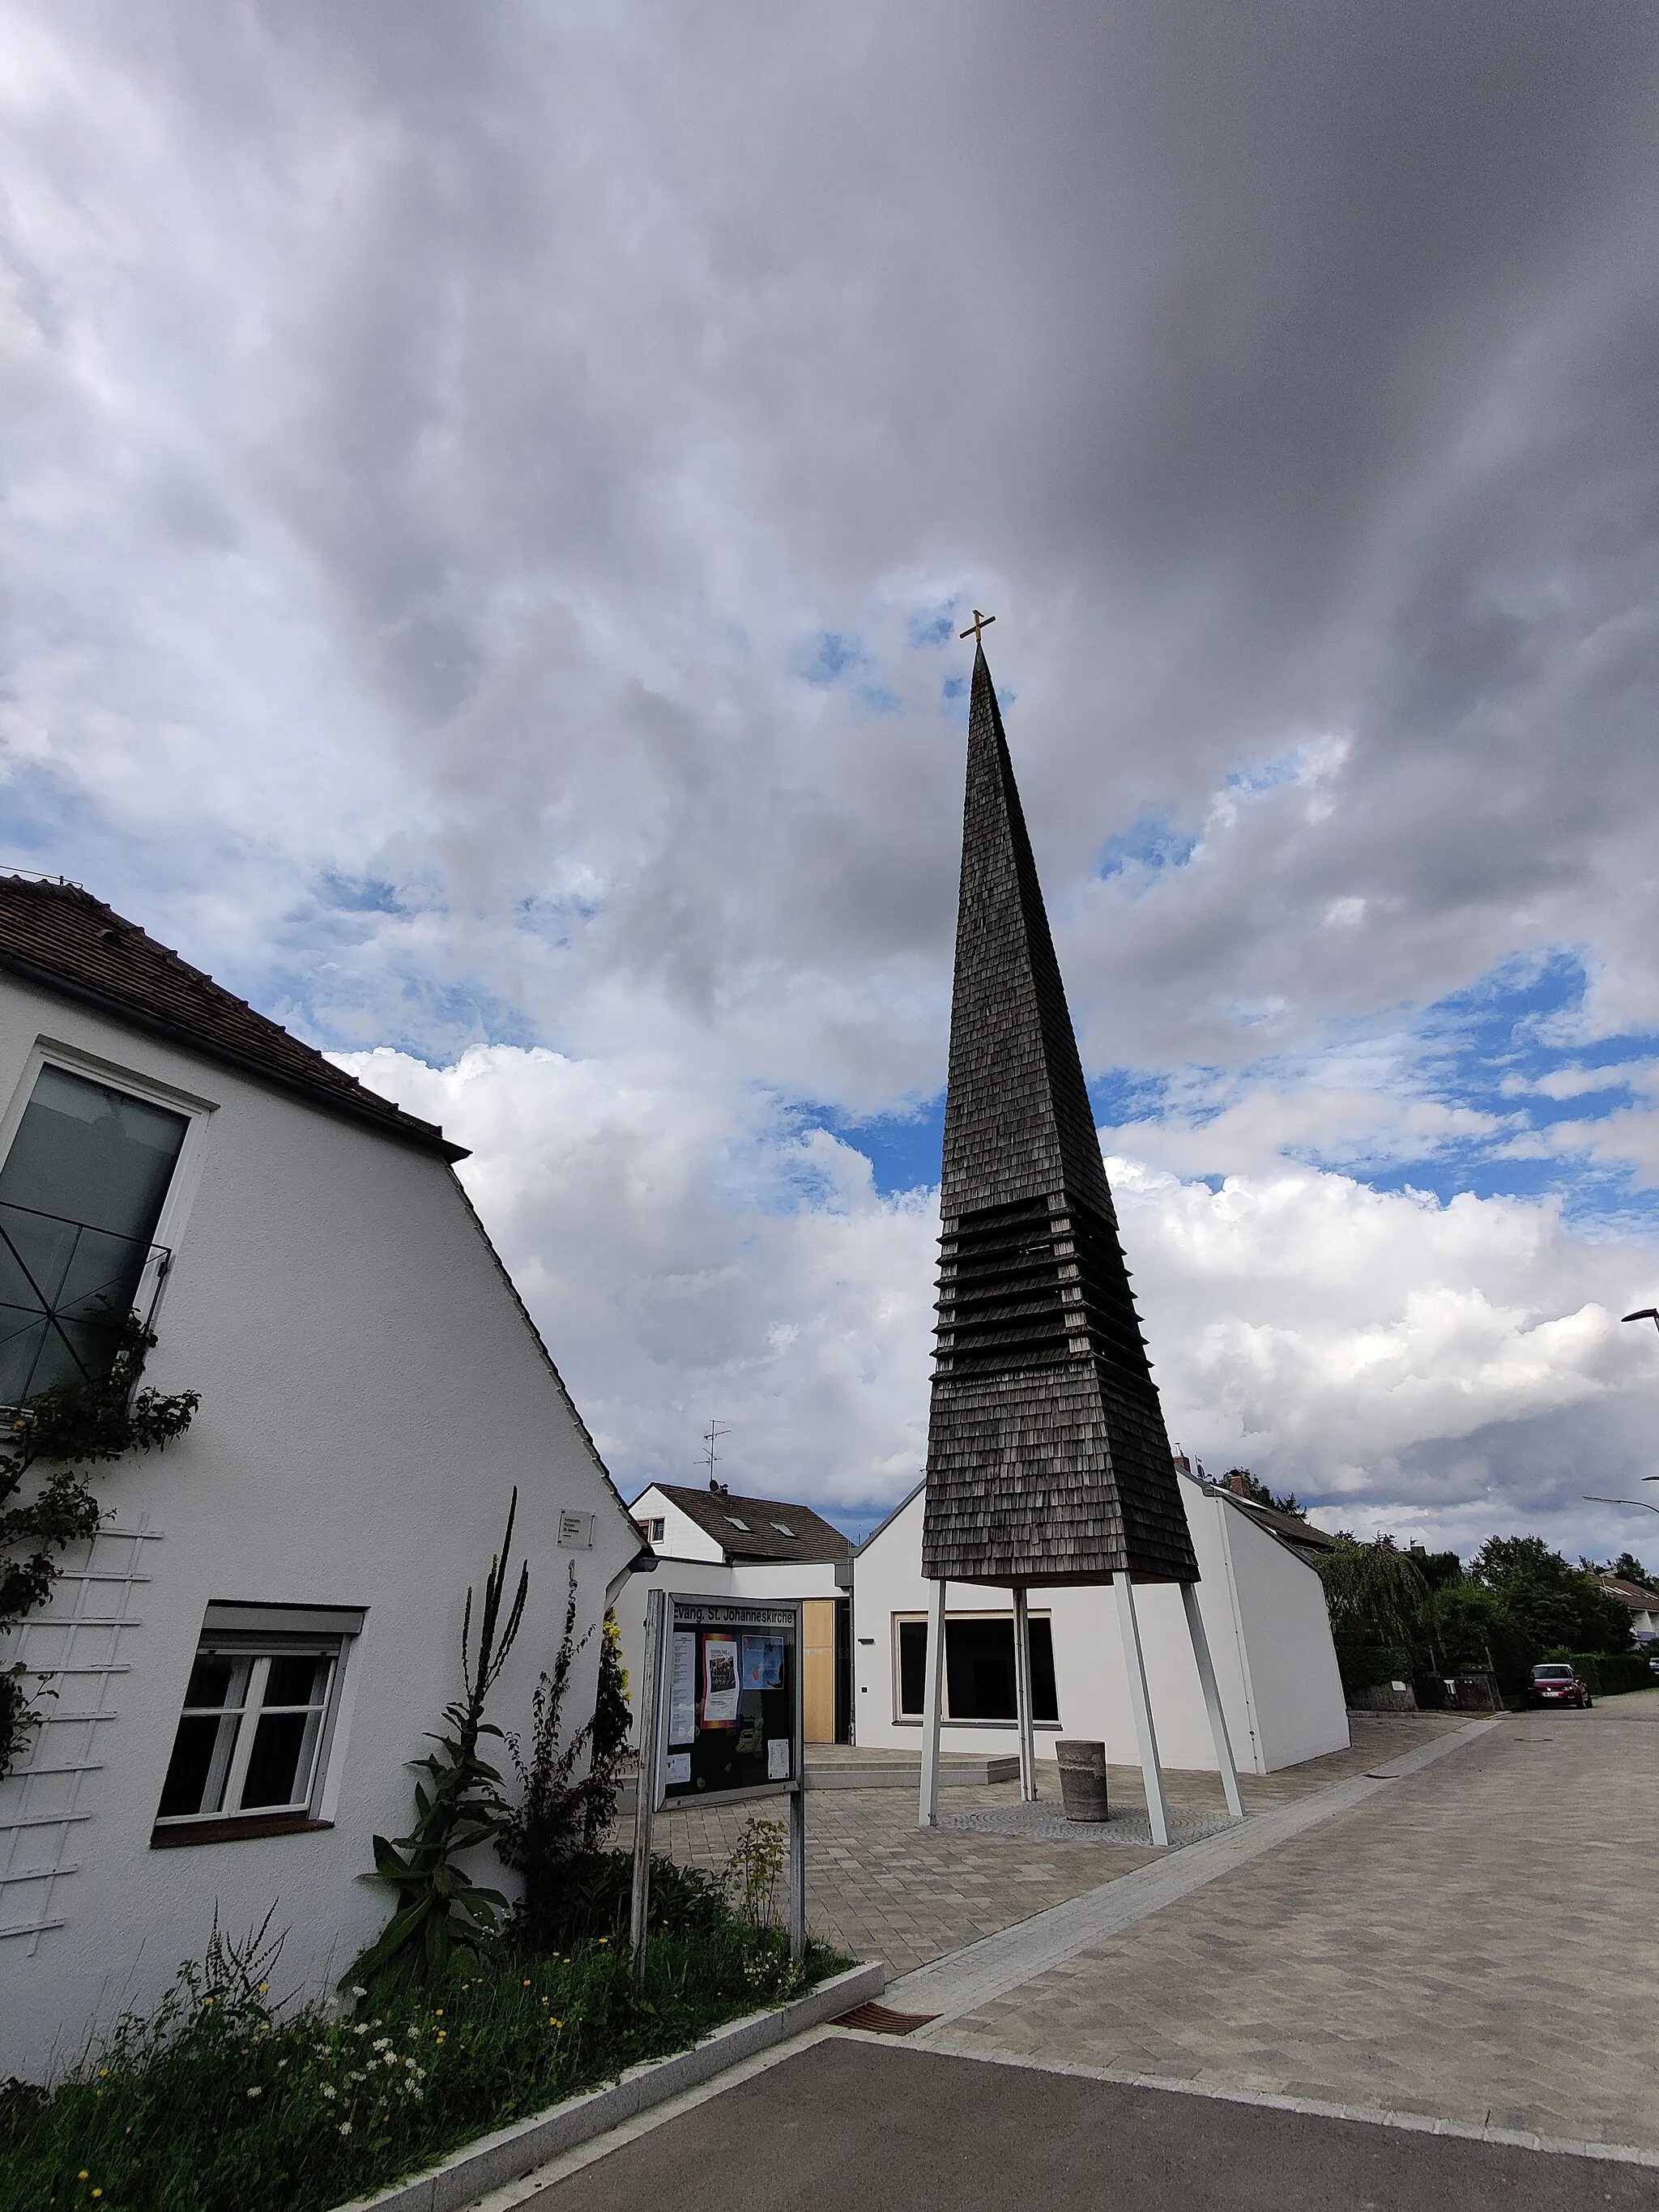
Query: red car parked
[1556, 1685]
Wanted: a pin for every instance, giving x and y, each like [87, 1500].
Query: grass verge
[224, 2098]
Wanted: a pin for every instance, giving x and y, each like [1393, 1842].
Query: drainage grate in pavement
[1047, 1824]
[882, 2020]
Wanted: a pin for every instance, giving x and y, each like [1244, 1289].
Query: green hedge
[1363, 1666]
[1610, 1673]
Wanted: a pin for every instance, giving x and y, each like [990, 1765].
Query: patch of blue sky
[931, 626]
[48, 825]
[1483, 1051]
[843, 659]
[1269, 775]
[954, 688]
[837, 655]
[904, 1146]
[344, 991]
[550, 919]
[905, 1150]
[1154, 843]
[1122, 1095]
[360, 894]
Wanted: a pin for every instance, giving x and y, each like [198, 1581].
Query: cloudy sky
[490, 493]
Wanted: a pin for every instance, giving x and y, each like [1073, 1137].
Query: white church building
[1265, 1620]
[238, 1670]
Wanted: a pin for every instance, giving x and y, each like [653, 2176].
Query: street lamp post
[1641, 1504]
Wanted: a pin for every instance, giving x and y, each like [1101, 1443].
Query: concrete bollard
[1082, 1778]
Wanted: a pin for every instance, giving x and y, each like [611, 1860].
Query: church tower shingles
[1048, 1461]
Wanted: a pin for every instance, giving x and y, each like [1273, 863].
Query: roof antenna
[712, 1436]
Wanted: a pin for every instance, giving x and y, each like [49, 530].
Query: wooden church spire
[1048, 1461]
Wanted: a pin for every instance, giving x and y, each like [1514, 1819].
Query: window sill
[242, 1827]
[915, 1721]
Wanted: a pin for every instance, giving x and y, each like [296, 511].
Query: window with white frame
[650, 1527]
[253, 1736]
[81, 1190]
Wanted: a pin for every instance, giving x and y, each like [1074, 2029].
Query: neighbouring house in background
[1304, 1540]
[1643, 1605]
[246, 1657]
[710, 1543]
[1264, 1615]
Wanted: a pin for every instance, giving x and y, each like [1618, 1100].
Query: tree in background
[1629, 1569]
[1439, 1569]
[1547, 1603]
[1378, 1601]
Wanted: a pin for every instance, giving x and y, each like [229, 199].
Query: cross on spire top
[980, 622]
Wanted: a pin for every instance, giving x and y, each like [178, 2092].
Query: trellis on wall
[75, 1649]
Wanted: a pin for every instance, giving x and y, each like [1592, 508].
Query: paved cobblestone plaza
[1478, 1942]
[880, 1887]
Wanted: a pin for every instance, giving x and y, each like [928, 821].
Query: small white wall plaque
[576, 1531]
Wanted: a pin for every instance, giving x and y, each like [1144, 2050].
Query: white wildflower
[256, 2092]
[329, 2091]
[345, 2127]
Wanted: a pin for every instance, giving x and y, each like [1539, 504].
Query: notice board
[732, 1709]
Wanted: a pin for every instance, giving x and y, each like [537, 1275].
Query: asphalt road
[851, 2126]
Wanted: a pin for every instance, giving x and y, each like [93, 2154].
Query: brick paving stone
[878, 1887]
[1460, 1945]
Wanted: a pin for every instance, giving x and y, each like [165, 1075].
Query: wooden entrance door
[818, 1668]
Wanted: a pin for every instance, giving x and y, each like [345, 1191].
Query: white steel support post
[1158, 1811]
[1224, 1746]
[645, 1787]
[933, 1707]
[1023, 1703]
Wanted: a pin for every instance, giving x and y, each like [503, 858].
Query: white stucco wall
[1267, 1627]
[371, 1392]
[1297, 1703]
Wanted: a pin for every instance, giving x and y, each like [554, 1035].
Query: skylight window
[736, 1523]
[784, 1529]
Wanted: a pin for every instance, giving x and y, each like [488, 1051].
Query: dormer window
[736, 1523]
[784, 1529]
[651, 1529]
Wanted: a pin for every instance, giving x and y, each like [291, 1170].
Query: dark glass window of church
[979, 1669]
[81, 1192]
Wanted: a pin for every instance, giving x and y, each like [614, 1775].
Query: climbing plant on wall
[45, 1504]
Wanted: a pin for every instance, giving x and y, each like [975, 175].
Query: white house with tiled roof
[716, 1542]
[240, 1665]
[1641, 1603]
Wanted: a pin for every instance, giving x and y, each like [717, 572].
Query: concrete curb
[511, 2151]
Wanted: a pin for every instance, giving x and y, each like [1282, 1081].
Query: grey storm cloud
[489, 491]
[1287, 369]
